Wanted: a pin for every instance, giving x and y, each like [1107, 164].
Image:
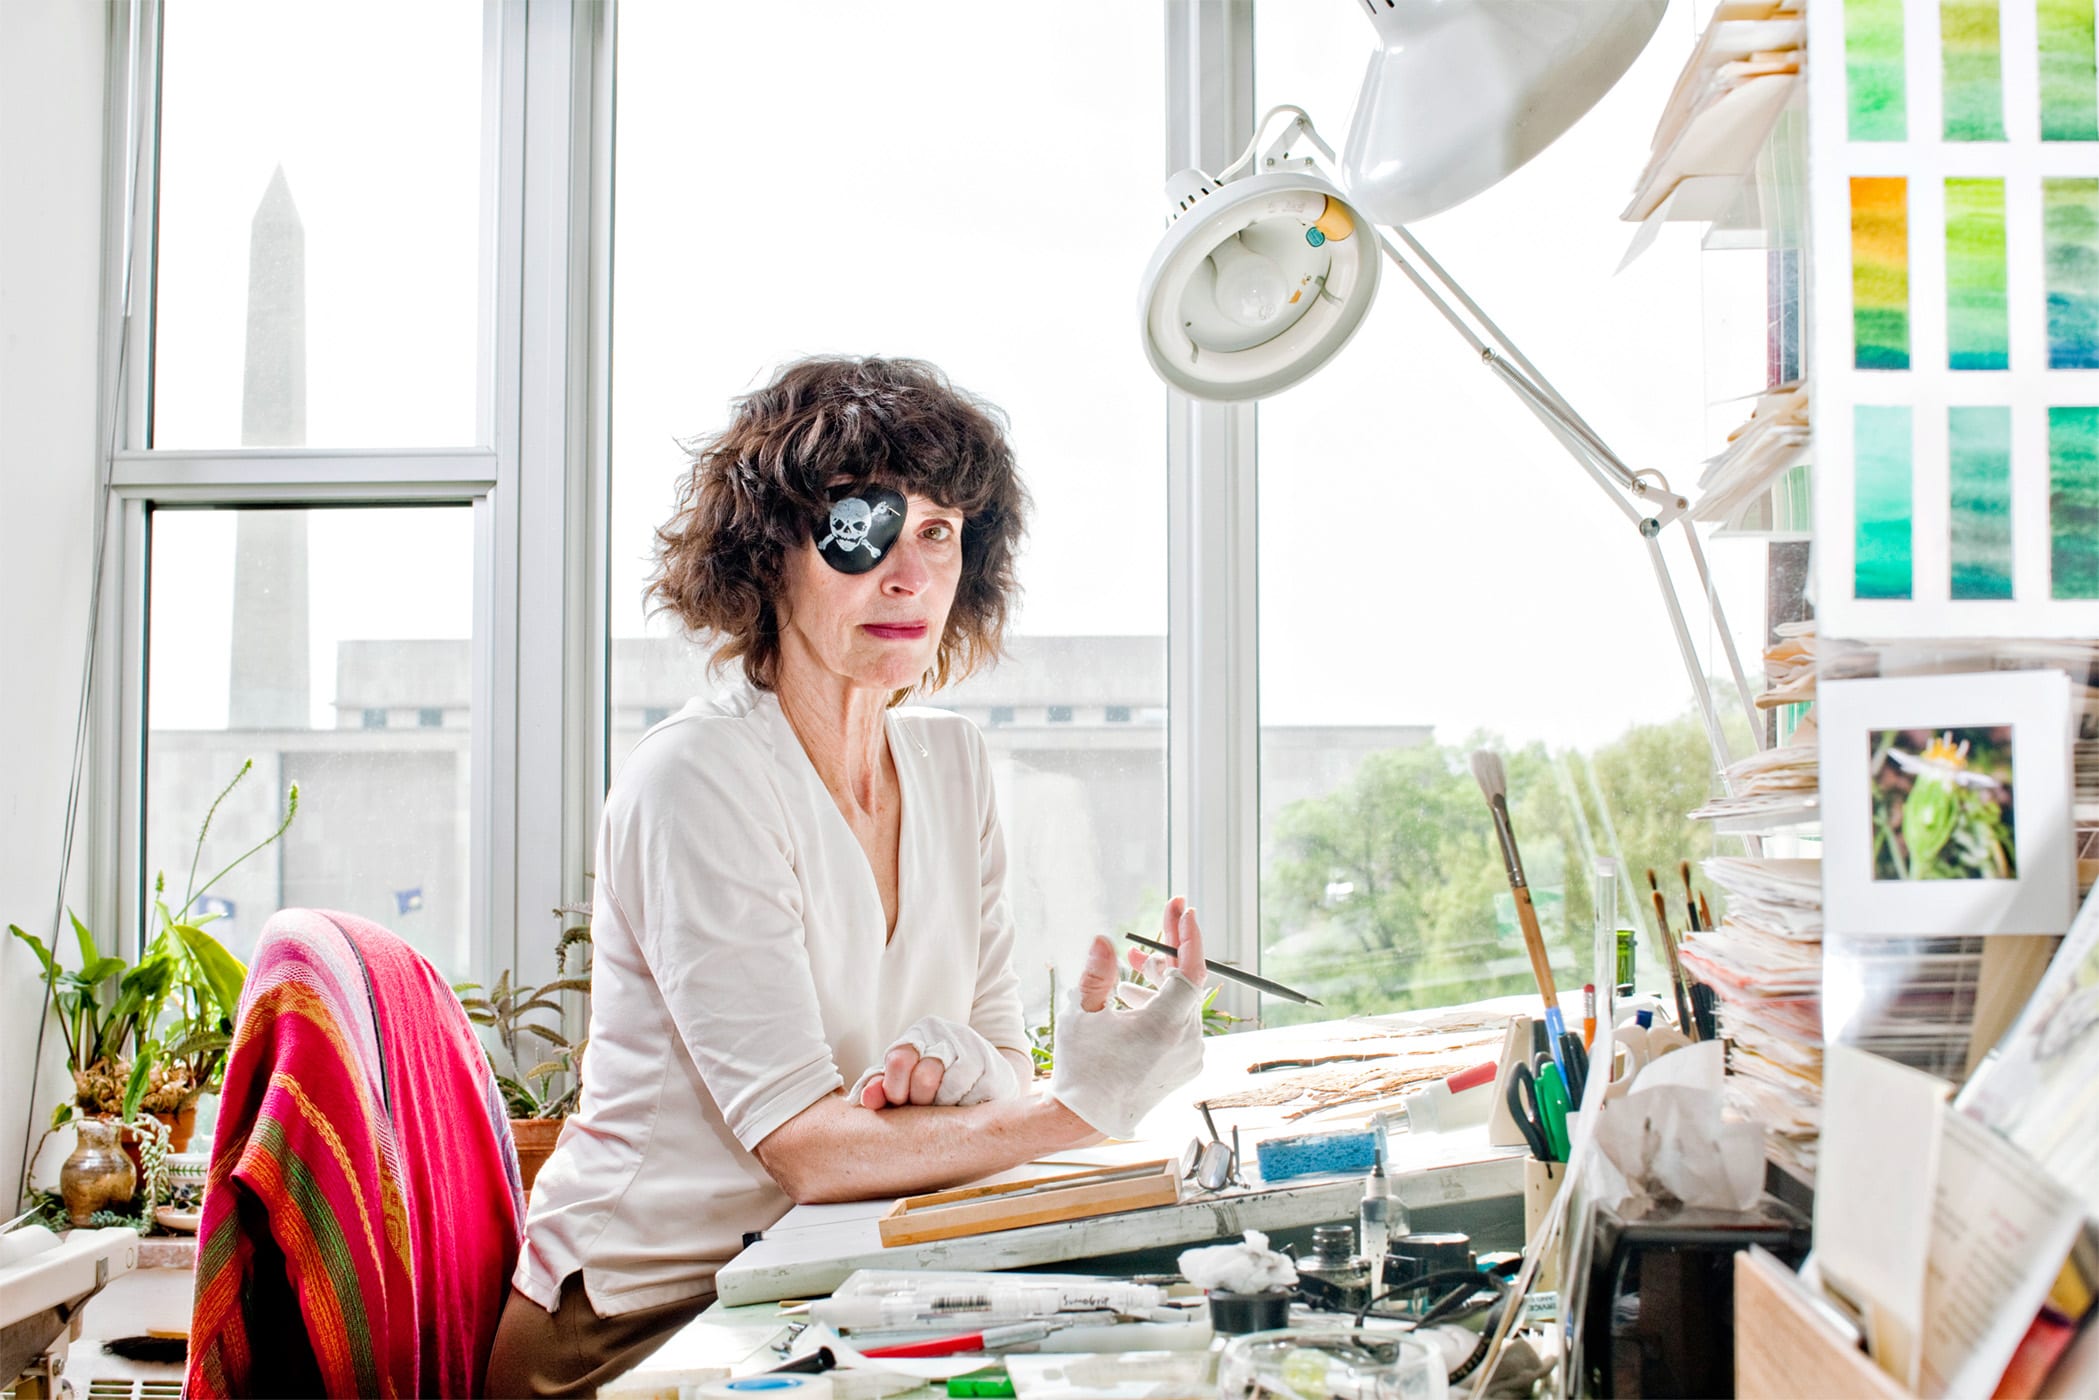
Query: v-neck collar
[906, 785]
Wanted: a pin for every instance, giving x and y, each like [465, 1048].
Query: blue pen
[1555, 1028]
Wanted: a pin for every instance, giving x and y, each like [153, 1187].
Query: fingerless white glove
[972, 1069]
[1113, 1065]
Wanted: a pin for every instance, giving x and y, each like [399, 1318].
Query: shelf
[1763, 820]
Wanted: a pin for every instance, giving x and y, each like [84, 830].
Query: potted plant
[157, 1042]
[527, 1025]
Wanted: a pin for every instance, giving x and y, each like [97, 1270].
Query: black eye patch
[859, 528]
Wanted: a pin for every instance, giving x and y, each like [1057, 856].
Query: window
[1116, 714]
[877, 255]
[276, 641]
[337, 418]
[321, 212]
[1436, 575]
[1058, 714]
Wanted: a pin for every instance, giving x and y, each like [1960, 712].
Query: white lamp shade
[1256, 284]
[1461, 92]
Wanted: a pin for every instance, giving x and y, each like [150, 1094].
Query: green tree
[1390, 893]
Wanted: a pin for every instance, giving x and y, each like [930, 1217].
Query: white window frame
[540, 491]
[1212, 643]
[536, 483]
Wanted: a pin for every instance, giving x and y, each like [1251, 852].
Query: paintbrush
[1683, 870]
[1233, 974]
[1677, 983]
[1494, 783]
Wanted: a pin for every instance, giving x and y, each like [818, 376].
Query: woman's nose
[904, 571]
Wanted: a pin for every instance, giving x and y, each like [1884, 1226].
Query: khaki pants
[573, 1351]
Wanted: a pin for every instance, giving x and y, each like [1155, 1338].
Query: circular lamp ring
[1256, 284]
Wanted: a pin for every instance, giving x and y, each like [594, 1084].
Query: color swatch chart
[1954, 185]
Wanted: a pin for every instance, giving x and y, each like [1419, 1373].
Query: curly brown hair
[753, 489]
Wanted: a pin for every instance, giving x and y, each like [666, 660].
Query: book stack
[1739, 78]
[1764, 964]
[1770, 444]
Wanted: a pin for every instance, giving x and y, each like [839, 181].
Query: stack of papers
[1741, 75]
[1772, 442]
[1764, 963]
[1774, 787]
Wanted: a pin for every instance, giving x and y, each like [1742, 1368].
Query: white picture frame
[1863, 889]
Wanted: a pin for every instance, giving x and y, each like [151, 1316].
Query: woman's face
[880, 629]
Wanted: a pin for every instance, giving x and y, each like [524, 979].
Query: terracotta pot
[181, 1128]
[97, 1176]
[535, 1138]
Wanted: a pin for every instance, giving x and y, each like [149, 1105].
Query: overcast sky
[971, 184]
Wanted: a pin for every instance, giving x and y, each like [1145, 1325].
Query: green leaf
[43, 954]
[547, 1069]
[141, 1075]
[224, 974]
[552, 1037]
[88, 951]
[517, 1098]
[99, 971]
[203, 1041]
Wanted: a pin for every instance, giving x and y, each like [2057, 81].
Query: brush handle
[1677, 981]
[1534, 943]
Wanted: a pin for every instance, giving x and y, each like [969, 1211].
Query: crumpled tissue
[1666, 1142]
[1248, 1267]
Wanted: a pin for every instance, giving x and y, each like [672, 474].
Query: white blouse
[741, 974]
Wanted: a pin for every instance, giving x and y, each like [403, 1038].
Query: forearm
[837, 1151]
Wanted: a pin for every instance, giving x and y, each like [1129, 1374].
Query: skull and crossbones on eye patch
[859, 528]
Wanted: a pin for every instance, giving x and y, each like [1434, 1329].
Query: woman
[802, 986]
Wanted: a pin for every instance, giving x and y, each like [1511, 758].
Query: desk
[813, 1248]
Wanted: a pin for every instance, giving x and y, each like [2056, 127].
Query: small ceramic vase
[98, 1176]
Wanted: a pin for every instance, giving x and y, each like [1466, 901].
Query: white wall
[51, 116]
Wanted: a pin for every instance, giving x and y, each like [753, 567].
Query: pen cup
[1541, 1182]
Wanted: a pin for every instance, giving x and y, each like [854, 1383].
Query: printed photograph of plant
[1942, 804]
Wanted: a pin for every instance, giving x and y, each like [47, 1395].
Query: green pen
[992, 1383]
[1553, 1107]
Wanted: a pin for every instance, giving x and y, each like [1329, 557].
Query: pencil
[1233, 974]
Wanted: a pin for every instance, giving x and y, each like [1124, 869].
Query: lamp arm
[1303, 123]
[1644, 497]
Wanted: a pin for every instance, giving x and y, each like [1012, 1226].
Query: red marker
[990, 1339]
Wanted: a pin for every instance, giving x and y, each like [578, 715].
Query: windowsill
[167, 1252]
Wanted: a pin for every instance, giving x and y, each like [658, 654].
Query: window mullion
[1212, 678]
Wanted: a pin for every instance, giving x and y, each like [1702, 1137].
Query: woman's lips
[896, 631]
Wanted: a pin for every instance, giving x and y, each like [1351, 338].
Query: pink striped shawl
[362, 1214]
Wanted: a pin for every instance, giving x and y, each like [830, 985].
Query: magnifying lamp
[1263, 276]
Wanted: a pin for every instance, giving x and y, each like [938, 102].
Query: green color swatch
[1978, 328]
[2070, 267]
[2073, 502]
[1880, 451]
[1880, 275]
[2069, 88]
[1873, 73]
[1973, 68]
[1979, 463]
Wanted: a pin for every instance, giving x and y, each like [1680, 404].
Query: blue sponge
[1316, 1154]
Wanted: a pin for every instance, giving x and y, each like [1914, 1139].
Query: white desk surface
[813, 1248]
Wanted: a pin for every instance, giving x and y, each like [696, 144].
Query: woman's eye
[938, 534]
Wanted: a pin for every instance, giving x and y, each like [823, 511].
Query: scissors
[1528, 1109]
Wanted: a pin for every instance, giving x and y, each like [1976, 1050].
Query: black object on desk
[1659, 1315]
